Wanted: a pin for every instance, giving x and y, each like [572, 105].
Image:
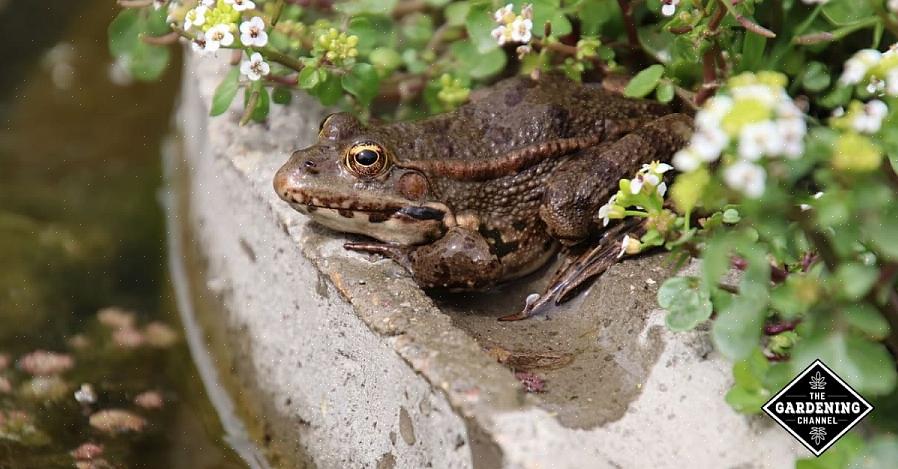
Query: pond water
[94, 367]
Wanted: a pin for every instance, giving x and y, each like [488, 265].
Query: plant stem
[627, 11]
[278, 9]
[276, 56]
[251, 104]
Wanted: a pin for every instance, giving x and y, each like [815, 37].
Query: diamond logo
[817, 407]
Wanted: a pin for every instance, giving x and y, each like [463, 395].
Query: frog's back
[518, 112]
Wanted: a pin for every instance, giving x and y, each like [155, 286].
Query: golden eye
[366, 160]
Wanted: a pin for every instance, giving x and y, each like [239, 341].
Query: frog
[490, 192]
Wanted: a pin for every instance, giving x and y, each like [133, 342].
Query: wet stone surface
[589, 351]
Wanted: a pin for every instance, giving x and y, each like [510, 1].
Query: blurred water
[80, 230]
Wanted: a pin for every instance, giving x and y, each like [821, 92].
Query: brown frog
[486, 193]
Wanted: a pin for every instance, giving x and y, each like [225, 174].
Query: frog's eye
[366, 160]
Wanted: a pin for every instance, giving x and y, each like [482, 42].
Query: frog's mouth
[387, 220]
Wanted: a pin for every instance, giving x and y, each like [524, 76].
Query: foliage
[790, 177]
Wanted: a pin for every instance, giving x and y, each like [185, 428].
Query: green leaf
[362, 82]
[282, 95]
[549, 11]
[475, 64]
[884, 233]
[686, 303]
[665, 92]
[752, 52]
[457, 12]
[157, 22]
[329, 91]
[737, 330]
[361, 7]
[147, 62]
[845, 12]
[260, 112]
[309, 77]
[855, 280]
[225, 92]
[749, 393]
[816, 77]
[594, 14]
[836, 457]
[479, 22]
[881, 453]
[867, 366]
[123, 32]
[644, 82]
[866, 319]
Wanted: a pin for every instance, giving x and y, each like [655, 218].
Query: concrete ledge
[348, 364]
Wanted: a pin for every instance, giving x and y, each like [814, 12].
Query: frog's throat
[503, 165]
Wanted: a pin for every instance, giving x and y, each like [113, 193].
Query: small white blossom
[255, 68]
[709, 142]
[814, 2]
[762, 138]
[792, 132]
[869, 121]
[669, 7]
[513, 28]
[761, 93]
[662, 188]
[198, 44]
[892, 81]
[687, 160]
[521, 30]
[241, 5]
[714, 110]
[252, 32]
[217, 36]
[892, 5]
[629, 245]
[746, 177]
[605, 210]
[195, 17]
[858, 65]
[504, 14]
[157, 4]
[207, 3]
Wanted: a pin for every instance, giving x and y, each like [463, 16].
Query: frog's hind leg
[578, 271]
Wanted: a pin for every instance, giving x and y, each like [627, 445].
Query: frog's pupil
[366, 157]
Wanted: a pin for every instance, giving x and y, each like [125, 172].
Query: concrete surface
[345, 363]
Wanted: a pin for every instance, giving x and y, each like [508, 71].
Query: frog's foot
[574, 275]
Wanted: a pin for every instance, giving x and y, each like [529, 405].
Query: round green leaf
[867, 366]
[866, 319]
[362, 82]
[687, 303]
[855, 280]
[644, 82]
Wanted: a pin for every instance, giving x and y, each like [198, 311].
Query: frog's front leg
[461, 259]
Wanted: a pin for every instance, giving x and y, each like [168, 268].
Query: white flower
[629, 245]
[746, 177]
[157, 4]
[708, 143]
[195, 17]
[605, 210]
[792, 132]
[217, 36]
[521, 30]
[762, 93]
[756, 140]
[710, 115]
[241, 5]
[892, 80]
[255, 68]
[814, 2]
[669, 7]
[252, 32]
[857, 66]
[199, 44]
[892, 5]
[869, 121]
[662, 188]
[504, 14]
[207, 3]
[512, 27]
[686, 160]
[636, 185]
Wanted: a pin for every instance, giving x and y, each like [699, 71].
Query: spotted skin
[486, 193]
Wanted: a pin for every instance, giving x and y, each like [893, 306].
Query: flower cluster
[865, 118]
[453, 91]
[877, 71]
[513, 28]
[336, 47]
[751, 119]
[216, 23]
[646, 190]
